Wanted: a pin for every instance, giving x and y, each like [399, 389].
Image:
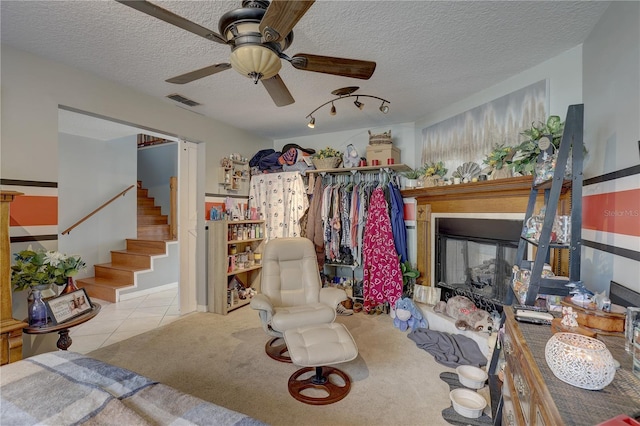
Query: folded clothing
[448, 349]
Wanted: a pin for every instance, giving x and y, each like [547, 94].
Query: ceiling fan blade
[278, 91]
[336, 66]
[170, 17]
[280, 18]
[197, 74]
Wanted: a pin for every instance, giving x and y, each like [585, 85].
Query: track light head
[384, 108]
[312, 123]
[359, 104]
[333, 109]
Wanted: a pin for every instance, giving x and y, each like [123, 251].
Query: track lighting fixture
[347, 92]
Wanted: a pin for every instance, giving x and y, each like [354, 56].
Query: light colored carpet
[221, 359]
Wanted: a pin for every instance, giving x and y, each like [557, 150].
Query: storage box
[382, 153]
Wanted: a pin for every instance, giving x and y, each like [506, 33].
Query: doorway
[74, 122]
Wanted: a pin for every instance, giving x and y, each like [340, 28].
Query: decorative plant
[409, 274]
[499, 156]
[527, 152]
[413, 174]
[327, 152]
[432, 169]
[43, 267]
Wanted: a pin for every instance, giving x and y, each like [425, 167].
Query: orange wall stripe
[615, 212]
[32, 210]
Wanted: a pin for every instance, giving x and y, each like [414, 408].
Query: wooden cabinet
[532, 395]
[227, 246]
[10, 328]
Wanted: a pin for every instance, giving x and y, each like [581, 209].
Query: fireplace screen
[474, 257]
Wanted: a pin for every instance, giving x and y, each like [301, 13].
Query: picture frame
[68, 306]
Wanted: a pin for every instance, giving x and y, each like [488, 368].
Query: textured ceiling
[429, 54]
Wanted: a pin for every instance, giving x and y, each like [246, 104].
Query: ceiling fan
[258, 33]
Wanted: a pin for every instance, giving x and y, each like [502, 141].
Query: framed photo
[67, 306]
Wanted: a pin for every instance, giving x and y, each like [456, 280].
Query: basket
[380, 139]
[326, 163]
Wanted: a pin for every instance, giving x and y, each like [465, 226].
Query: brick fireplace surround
[509, 195]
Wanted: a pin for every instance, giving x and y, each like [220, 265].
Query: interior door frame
[191, 226]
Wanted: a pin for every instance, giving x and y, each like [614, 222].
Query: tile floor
[121, 320]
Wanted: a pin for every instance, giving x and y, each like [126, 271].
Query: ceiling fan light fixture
[255, 61]
[312, 123]
[384, 108]
[333, 109]
[358, 104]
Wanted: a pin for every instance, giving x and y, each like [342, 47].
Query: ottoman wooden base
[319, 381]
[314, 348]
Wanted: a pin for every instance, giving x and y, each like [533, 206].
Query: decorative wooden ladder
[153, 232]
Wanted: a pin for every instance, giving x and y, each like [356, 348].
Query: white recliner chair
[291, 294]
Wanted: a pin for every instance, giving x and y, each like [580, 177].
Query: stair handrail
[66, 231]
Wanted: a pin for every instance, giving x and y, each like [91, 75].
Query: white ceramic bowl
[467, 403]
[471, 377]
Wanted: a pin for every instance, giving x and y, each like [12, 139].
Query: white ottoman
[316, 347]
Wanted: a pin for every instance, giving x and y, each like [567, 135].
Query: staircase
[153, 232]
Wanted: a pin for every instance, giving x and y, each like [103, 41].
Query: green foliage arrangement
[432, 169]
[43, 267]
[409, 274]
[413, 174]
[524, 160]
[499, 156]
[327, 152]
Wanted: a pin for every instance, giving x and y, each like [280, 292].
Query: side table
[63, 328]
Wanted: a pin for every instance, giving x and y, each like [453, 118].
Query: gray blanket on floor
[448, 349]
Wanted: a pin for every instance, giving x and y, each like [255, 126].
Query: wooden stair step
[150, 219]
[149, 210]
[101, 288]
[127, 258]
[146, 246]
[146, 202]
[154, 231]
[116, 273]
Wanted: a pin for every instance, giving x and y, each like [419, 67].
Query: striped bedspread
[66, 388]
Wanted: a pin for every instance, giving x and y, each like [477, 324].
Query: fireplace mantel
[509, 195]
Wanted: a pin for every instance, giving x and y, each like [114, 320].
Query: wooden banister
[66, 231]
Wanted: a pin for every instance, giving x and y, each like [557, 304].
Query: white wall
[564, 73]
[156, 165]
[612, 90]
[33, 87]
[612, 131]
[91, 173]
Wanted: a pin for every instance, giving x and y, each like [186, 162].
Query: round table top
[50, 327]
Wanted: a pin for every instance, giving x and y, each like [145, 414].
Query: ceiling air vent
[179, 98]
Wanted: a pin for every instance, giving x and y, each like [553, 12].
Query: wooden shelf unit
[231, 178]
[219, 274]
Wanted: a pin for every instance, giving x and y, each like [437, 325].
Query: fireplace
[474, 257]
[491, 199]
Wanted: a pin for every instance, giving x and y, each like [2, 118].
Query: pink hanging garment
[382, 280]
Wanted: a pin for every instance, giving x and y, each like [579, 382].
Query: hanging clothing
[397, 223]
[382, 278]
[280, 199]
[314, 220]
